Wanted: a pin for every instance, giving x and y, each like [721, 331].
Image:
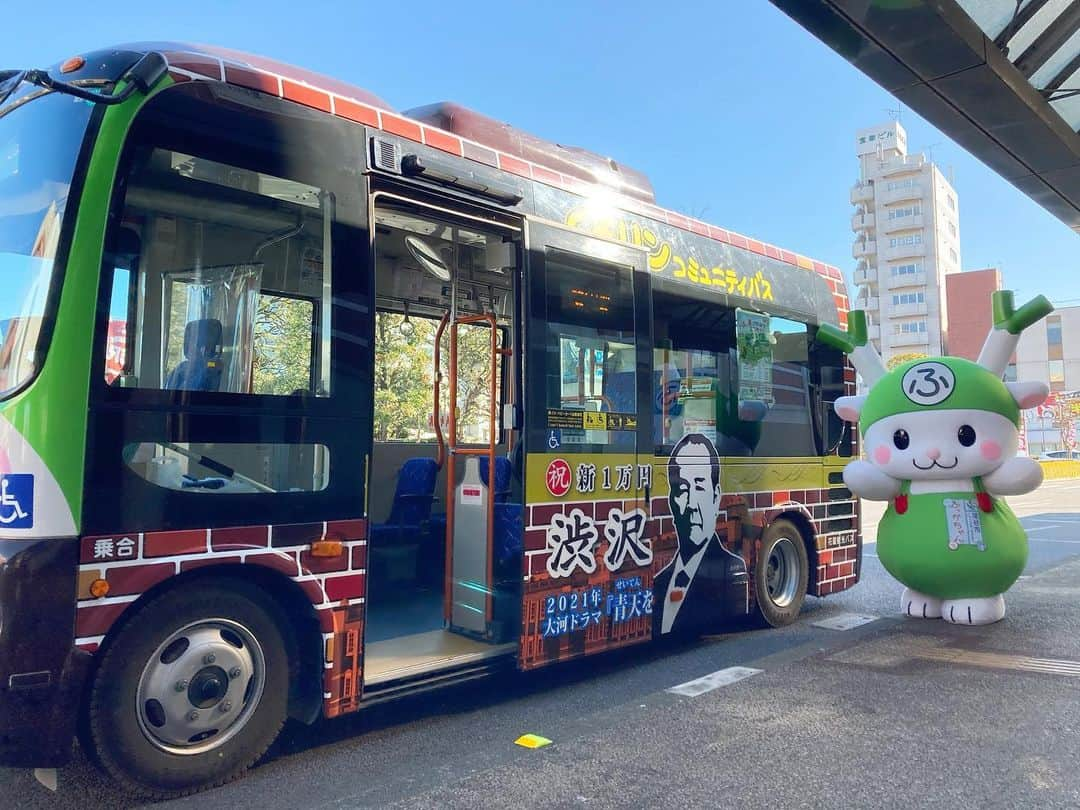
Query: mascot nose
[933, 454]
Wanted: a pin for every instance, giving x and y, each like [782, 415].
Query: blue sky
[737, 114]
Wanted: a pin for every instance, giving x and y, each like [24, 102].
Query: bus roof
[464, 133]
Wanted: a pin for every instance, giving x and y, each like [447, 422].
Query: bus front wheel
[781, 572]
[192, 691]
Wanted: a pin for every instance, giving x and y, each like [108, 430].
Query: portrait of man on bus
[704, 582]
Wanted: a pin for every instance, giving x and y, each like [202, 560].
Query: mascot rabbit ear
[1027, 394]
[849, 408]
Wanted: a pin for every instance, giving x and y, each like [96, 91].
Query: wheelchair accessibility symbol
[554, 439]
[17, 501]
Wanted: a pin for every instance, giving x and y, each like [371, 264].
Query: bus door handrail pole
[440, 457]
[451, 466]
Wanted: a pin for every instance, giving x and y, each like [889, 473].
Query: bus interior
[442, 286]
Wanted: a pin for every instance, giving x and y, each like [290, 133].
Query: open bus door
[588, 560]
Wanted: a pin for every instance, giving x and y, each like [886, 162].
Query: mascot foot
[919, 605]
[974, 611]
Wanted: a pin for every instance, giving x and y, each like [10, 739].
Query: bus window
[590, 322]
[231, 280]
[284, 359]
[742, 378]
[778, 375]
[230, 467]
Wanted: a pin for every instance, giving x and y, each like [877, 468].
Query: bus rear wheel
[192, 691]
[781, 572]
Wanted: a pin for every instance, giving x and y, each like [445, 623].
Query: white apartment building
[1049, 352]
[907, 237]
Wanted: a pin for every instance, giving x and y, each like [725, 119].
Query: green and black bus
[307, 403]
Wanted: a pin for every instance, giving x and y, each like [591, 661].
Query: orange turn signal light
[327, 548]
[99, 588]
[73, 64]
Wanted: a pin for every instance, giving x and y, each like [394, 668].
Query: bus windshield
[39, 144]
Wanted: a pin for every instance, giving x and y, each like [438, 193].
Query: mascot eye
[966, 435]
[901, 439]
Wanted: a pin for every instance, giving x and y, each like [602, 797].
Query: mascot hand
[1015, 477]
[867, 481]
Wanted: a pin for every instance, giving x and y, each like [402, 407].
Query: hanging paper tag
[962, 523]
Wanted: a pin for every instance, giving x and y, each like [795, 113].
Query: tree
[899, 359]
[403, 377]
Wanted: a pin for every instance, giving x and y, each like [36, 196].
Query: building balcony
[864, 248]
[912, 192]
[902, 223]
[903, 252]
[907, 163]
[900, 310]
[862, 192]
[864, 277]
[862, 222]
[870, 304]
[906, 280]
[909, 339]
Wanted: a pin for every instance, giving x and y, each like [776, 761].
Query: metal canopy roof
[1000, 77]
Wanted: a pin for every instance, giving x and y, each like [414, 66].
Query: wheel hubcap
[782, 572]
[200, 687]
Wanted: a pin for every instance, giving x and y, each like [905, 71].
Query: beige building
[907, 239]
[1049, 352]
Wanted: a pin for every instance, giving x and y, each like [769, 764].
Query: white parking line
[722, 677]
[1053, 540]
[845, 621]
[1046, 528]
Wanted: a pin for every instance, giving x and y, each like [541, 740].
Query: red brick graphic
[282, 561]
[95, 620]
[324, 565]
[173, 544]
[131, 579]
[237, 539]
[350, 587]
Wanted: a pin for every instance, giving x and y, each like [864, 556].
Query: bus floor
[405, 635]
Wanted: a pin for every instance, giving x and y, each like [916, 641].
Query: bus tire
[781, 572]
[192, 691]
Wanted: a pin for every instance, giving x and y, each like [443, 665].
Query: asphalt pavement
[891, 713]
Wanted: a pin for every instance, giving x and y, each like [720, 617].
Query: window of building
[1010, 372]
[1053, 330]
[1057, 371]
[951, 201]
[909, 298]
[906, 211]
[909, 327]
[905, 269]
[894, 185]
[952, 229]
[952, 255]
[910, 239]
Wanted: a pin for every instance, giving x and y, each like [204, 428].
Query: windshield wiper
[141, 76]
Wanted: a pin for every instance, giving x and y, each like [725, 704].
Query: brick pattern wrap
[134, 563]
[835, 561]
[354, 104]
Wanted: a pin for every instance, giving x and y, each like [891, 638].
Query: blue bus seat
[413, 497]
